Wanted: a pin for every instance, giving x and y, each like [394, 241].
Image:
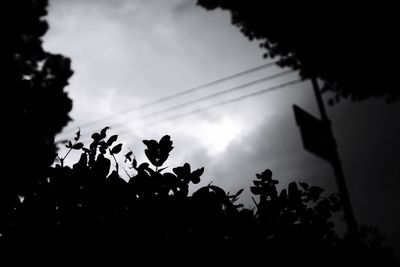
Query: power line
[226, 91]
[222, 103]
[207, 97]
[181, 93]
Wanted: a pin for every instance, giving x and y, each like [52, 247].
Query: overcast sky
[129, 53]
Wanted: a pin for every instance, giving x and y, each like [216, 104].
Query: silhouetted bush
[89, 209]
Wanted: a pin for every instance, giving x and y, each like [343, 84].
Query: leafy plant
[90, 208]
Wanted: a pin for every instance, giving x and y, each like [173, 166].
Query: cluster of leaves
[296, 207]
[91, 208]
[336, 42]
[91, 202]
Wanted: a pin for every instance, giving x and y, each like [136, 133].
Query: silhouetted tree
[35, 107]
[353, 48]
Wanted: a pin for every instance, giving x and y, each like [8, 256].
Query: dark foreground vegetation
[89, 210]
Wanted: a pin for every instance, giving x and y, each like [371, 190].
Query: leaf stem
[62, 159]
[115, 160]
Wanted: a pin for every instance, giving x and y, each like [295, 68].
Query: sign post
[318, 139]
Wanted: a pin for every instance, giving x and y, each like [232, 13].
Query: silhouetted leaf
[197, 172]
[151, 144]
[103, 133]
[255, 190]
[93, 146]
[143, 166]
[186, 167]
[77, 146]
[257, 183]
[152, 157]
[69, 144]
[165, 144]
[86, 149]
[134, 163]
[96, 136]
[116, 149]
[195, 179]
[195, 176]
[304, 185]
[266, 175]
[102, 150]
[112, 139]
[77, 135]
[103, 147]
[238, 193]
[162, 158]
[128, 156]
[166, 139]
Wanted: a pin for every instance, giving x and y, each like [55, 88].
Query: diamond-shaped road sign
[314, 133]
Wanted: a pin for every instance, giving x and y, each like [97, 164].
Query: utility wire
[222, 103]
[181, 93]
[182, 105]
[207, 97]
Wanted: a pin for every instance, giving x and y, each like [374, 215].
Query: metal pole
[320, 101]
[336, 163]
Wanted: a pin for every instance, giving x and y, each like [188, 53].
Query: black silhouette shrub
[89, 209]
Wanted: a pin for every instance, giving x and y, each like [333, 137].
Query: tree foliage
[35, 105]
[90, 210]
[352, 48]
